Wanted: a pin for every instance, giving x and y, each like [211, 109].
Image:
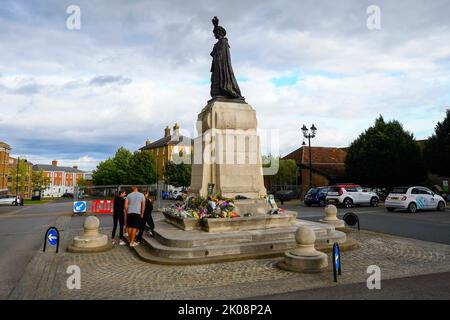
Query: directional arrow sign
[52, 237]
[79, 206]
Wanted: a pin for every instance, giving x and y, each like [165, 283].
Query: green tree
[142, 169]
[105, 173]
[122, 166]
[39, 181]
[114, 170]
[177, 174]
[22, 179]
[385, 155]
[287, 170]
[437, 149]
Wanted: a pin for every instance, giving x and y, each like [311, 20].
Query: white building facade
[62, 179]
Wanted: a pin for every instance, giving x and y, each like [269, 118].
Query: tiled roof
[318, 154]
[326, 161]
[49, 167]
[169, 140]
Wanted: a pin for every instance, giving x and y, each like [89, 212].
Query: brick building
[63, 179]
[328, 165]
[24, 178]
[168, 148]
[5, 149]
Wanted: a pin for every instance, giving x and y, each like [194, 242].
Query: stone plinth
[256, 222]
[304, 257]
[331, 217]
[91, 240]
[227, 152]
[182, 223]
[171, 245]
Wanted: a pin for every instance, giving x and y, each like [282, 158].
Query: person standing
[134, 207]
[119, 216]
[147, 217]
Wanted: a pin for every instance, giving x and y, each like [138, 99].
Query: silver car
[8, 200]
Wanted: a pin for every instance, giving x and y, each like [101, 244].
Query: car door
[364, 196]
[429, 195]
[422, 198]
[353, 192]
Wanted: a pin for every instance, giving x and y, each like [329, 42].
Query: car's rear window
[333, 189]
[399, 190]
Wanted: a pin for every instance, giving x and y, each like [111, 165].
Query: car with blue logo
[413, 199]
[316, 196]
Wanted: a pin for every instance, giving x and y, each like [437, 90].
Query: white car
[8, 200]
[413, 199]
[176, 194]
[350, 195]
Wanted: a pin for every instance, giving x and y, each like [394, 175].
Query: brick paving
[120, 274]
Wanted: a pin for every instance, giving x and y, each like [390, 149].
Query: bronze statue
[223, 82]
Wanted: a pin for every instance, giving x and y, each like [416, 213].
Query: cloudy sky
[136, 66]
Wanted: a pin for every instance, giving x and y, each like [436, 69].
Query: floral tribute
[201, 208]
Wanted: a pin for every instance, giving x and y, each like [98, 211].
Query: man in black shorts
[134, 207]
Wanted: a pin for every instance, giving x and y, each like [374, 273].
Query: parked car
[165, 195]
[382, 193]
[413, 199]
[11, 200]
[176, 194]
[316, 196]
[67, 195]
[349, 195]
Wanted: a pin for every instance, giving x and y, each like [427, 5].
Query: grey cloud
[23, 89]
[101, 81]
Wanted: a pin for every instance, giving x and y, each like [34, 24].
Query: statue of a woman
[223, 82]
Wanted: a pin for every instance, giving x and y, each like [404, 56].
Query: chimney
[167, 131]
[176, 130]
[148, 142]
[75, 167]
[55, 163]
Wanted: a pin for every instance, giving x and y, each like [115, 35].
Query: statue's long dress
[223, 82]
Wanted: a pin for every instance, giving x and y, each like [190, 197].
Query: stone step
[171, 236]
[158, 249]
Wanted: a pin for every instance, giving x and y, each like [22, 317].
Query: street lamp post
[309, 134]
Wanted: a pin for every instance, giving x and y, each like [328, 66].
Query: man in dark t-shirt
[118, 216]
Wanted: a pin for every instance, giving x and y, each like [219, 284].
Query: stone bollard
[304, 257]
[331, 217]
[91, 240]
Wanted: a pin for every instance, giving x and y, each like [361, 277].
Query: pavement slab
[120, 274]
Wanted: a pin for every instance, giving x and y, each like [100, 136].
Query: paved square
[120, 274]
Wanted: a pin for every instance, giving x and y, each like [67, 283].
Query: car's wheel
[412, 207]
[390, 209]
[308, 204]
[322, 203]
[14, 203]
[374, 202]
[348, 203]
[441, 206]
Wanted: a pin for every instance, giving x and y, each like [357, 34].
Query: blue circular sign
[337, 256]
[52, 237]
